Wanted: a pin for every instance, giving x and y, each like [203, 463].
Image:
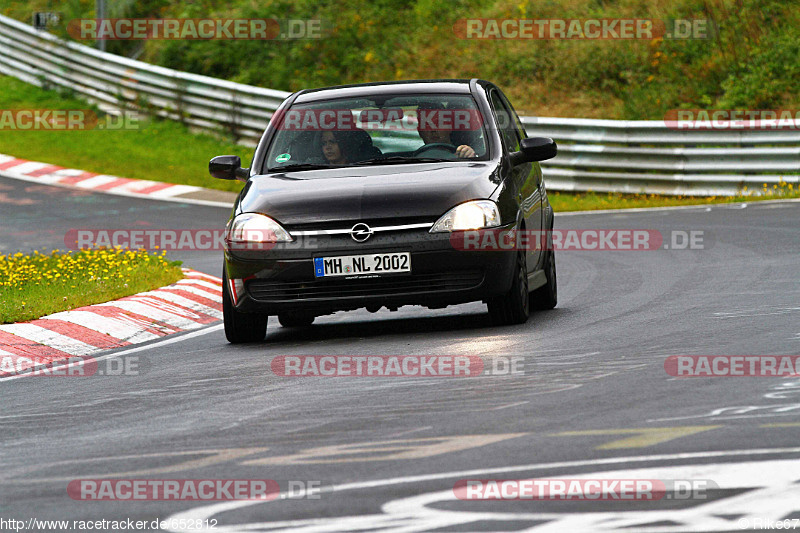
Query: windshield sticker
[283, 158]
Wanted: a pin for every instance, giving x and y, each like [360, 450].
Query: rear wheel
[546, 296]
[296, 319]
[240, 327]
[514, 306]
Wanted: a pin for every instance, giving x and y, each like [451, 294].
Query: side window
[517, 123]
[506, 122]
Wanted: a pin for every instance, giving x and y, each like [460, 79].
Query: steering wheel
[435, 146]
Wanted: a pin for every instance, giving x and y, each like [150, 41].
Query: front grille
[276, 291]
[371, 222]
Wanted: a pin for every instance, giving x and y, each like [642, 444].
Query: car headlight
[255, 228]
[477, 214]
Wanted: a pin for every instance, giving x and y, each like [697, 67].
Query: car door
[527, 177]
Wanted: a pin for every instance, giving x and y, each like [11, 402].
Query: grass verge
[35, 285]
[592, 201]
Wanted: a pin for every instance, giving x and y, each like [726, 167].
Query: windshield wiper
[301, 166]
[393, 160]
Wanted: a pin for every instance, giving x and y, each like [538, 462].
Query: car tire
[514, 306]
[296, 319]
[546, 296]
[240, 327]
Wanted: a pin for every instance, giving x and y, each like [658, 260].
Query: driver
[441, 136]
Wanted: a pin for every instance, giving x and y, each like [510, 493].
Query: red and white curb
[47, 174]
[188, 304]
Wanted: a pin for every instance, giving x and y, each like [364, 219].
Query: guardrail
[647, 156]
[116, 82]
[599, 155]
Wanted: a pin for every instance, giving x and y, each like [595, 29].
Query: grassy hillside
[751, 63]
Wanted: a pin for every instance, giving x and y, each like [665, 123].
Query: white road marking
[68, 172]
[134, 186]
[175, 190]
[507, 406]
[740, 411]
[755, 312]
[207, 511]
[96, 181]
[772, 494]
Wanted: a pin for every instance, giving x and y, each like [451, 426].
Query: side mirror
[228, 167]
[534, 149]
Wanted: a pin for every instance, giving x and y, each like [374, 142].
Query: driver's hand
[465, 151]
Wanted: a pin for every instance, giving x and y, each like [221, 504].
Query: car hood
[411, 191]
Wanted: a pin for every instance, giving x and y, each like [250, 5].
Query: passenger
[333, 150]
[347, 146]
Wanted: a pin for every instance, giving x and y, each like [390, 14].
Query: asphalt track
[594, 399]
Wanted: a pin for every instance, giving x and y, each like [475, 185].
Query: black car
[357, 196]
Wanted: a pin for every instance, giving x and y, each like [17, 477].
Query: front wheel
[240, 327]
[546, 296]
[514, 306]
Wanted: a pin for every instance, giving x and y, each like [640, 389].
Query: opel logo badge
[360, 232]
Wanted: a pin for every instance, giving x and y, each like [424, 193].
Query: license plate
[356, 265]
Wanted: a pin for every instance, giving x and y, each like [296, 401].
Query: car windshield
[380, 130]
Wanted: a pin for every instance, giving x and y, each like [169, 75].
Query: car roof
[444, 86]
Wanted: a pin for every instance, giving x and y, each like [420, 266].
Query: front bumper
[282, 279]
